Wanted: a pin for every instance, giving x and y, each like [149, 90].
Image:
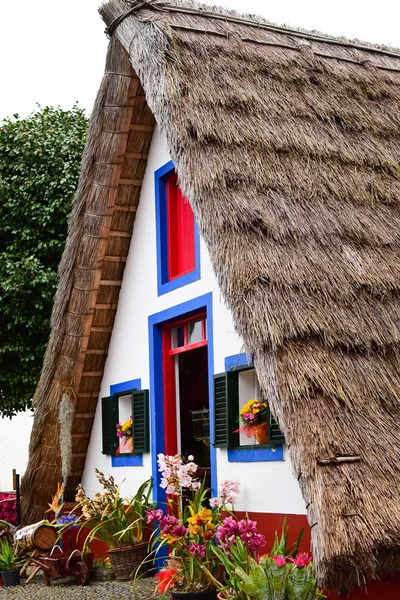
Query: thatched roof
[287, 145]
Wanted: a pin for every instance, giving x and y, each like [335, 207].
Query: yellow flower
[248, 407]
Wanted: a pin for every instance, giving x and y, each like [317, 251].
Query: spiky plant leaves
[256, 584]
[301, 585]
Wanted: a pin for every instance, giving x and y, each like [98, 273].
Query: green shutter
[109, 418]
[275, 434]
[226, 406]
[140, 418]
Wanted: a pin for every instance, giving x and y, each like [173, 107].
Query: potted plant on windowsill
[188, 529]
[254, 419]
[10, 563]
[117, 521]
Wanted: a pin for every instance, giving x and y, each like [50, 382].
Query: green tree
[39, 169]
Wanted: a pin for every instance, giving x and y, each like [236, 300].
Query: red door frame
[170, 424]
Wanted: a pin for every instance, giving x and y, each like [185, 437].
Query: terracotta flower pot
[261, 433]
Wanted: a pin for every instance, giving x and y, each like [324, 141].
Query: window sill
[256, 454]
[127, 460]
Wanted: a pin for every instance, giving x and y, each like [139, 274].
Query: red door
[186, 400]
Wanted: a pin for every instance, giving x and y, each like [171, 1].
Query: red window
[181, 232]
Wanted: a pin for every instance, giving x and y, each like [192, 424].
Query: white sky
[53, 53]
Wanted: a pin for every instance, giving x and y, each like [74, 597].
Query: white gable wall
[267, 486]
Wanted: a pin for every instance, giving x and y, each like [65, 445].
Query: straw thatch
[287, 146]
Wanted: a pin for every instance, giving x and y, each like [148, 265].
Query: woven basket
[124, 561]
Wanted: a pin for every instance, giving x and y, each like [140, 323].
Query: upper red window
[178, 241]
[181, 252]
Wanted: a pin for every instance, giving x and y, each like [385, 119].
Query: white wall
[14, 443]
[128, 358]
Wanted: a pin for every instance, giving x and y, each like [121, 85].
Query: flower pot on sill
[10, 578]
[210, 594]
[261, 433]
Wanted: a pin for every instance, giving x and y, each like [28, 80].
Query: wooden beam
[89, 415]
[78, 455]
[135, 182]
[138, 127]
[137, 155]
[119, 234]
[105, 307]
[125, 208]
[115, 258]
[92, 373]
[91, 351]
[115, 283]
[102, 329]
[80, 436]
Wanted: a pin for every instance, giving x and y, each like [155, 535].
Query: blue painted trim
[237, 360]
[156, 322]
[163, 284]
[244, 454]
[125, 386]
[128, 460]
[239, 455]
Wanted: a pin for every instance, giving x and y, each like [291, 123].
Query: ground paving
[67, 589]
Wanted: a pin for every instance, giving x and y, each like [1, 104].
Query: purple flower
[65, 519]
[197, 549]
[179, 531]
[154, 515]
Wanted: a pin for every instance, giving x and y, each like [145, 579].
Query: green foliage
[39, 170]
[10, 557]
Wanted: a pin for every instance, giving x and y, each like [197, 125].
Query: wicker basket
[124, 561]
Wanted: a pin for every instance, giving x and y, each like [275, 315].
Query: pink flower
[215, 502]
[154, 515]
[197, 549]
[302, 559]
[279, 560]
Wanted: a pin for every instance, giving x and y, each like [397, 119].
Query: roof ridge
[215, 12]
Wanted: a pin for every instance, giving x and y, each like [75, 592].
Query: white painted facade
[267, 486]
[14, 443]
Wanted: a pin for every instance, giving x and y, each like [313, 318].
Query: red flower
[279, 560]
[166, 578]
[302, 559]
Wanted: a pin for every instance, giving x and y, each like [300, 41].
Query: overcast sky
[53, 53]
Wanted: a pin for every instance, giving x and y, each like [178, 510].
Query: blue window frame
[164, 283]
[243, 454]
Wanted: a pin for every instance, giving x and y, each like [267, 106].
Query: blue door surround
[156, 323]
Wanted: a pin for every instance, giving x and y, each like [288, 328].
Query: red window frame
[170, 425]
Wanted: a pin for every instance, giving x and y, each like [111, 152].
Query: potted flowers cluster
[254, 417]
[188, 527]
[117, 521]
[283, 574]
[212, 551]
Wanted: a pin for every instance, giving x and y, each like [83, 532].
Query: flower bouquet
[188, 528]
[124, 433]
[254, 416]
